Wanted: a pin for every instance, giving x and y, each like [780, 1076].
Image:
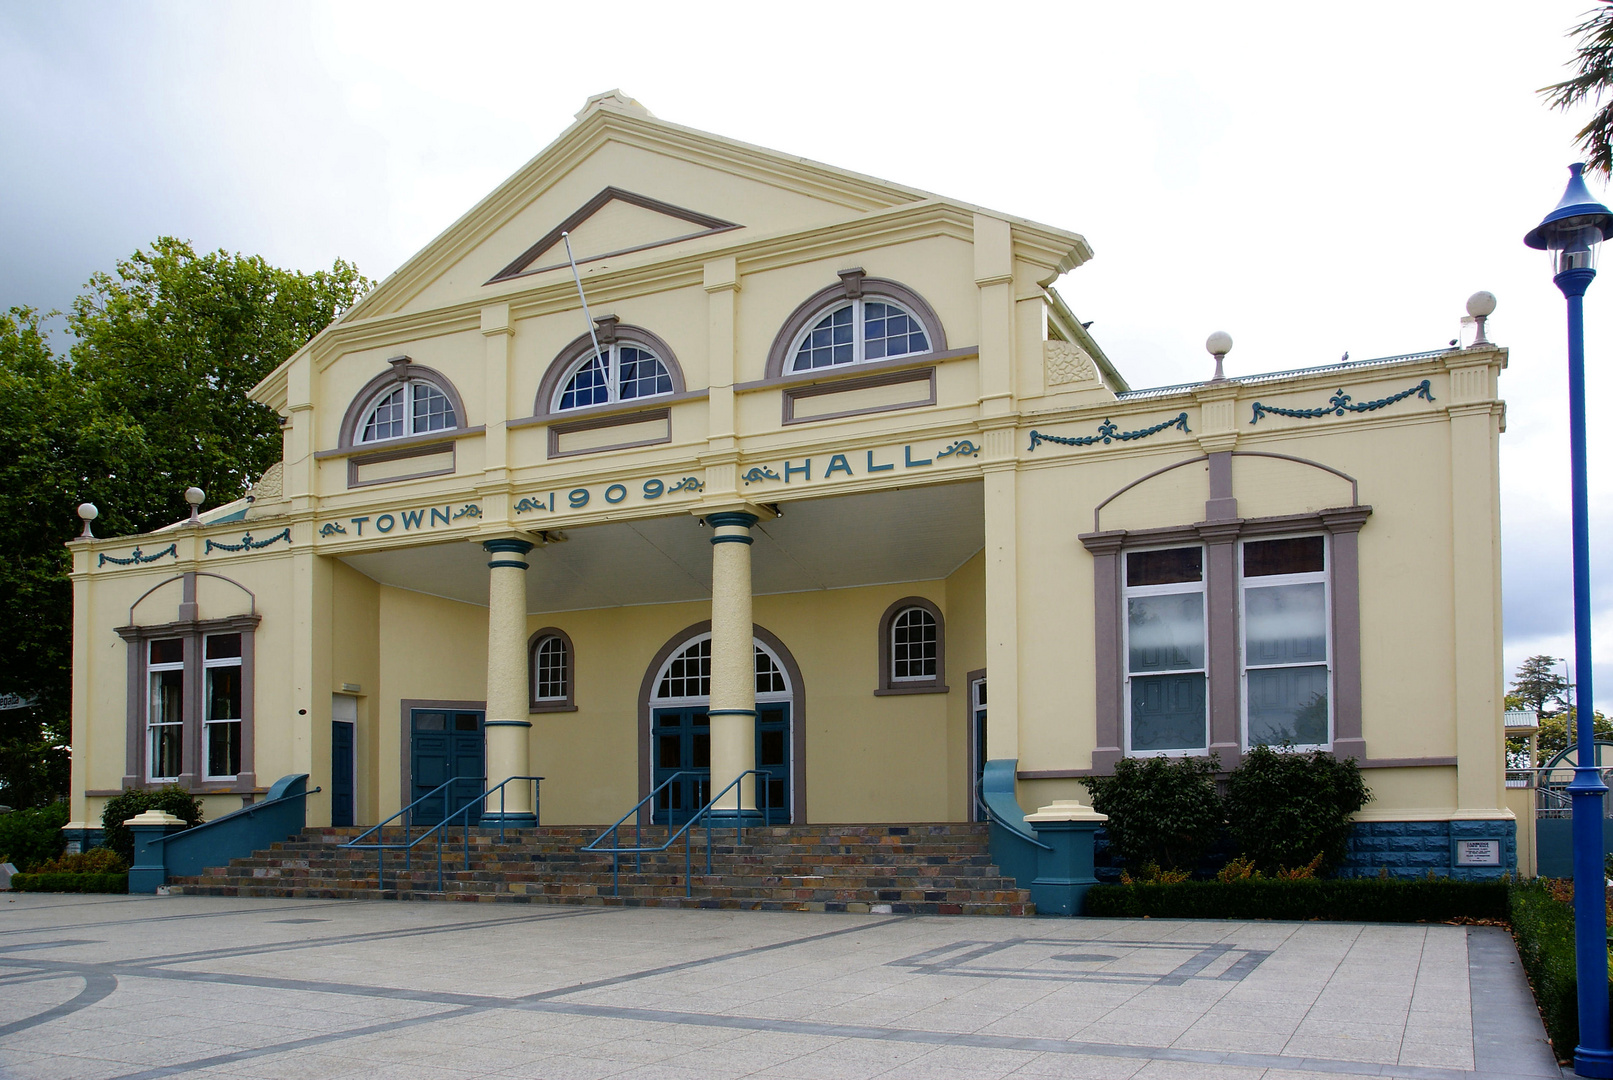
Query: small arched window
[859, 332]
[415, 408]
[912, 648]
[622, 371]
[408, 399]
[862, 320]
[551, 670]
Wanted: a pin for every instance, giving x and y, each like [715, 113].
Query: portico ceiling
[906, 534]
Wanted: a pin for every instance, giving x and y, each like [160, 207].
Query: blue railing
[282, 814]
[639, 849]
[1015, 847]
[408, 844]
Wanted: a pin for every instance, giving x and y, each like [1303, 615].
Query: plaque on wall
[1478, 853]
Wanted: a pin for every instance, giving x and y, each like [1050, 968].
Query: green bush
[97, 860]
[1284, 807]
[31, 837]
[1340, 900]
[1163, 811]
[79, 883]
[173, 798]
[1542, 916]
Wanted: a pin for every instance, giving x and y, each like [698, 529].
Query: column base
[1588, 1062]
[729, 818]
[509, 820]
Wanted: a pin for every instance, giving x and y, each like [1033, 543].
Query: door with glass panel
[1166, 678]
[446, 745]
[1287, 663]
[680, 734]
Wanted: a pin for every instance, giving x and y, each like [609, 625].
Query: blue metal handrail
[997, 816]
[639, 849]
[381, 847]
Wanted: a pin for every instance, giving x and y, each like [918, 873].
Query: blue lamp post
[1573, 234]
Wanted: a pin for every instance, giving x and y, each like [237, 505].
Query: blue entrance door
[341, 772]
[446, 746]
[681, 742]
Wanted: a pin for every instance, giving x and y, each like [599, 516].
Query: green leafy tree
[150, 401]
[1284, 808]
[1538, 684]
[1593, 76]
[177, 339]
[1163, 811]
[1557, 733]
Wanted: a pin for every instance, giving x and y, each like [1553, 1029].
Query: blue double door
[446, 745]
[680, 742]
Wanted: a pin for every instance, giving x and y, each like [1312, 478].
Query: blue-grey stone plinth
[148, 872]
[1064, 868]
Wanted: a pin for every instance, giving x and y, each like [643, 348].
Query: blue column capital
[732, 517]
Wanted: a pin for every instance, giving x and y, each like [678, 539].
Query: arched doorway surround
[798, 711]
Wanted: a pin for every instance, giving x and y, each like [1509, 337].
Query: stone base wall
[1416, 848]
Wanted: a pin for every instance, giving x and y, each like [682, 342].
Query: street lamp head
[1574, 230]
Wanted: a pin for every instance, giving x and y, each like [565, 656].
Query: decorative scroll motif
[331, 528]
[136, 557]
[247, 543]
[758, 474]
[962, 448]
[271, 485]
[1109, 432]
[470, 510]
[1341, 403]
[529, 504]
[688, 483]
[1066, 362]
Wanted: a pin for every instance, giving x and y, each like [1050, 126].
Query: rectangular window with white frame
[1284, 611]
[165, 707]
[221, 724]
[1166, 694]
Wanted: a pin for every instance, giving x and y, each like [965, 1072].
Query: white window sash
[1322, 577]
[1175, 588]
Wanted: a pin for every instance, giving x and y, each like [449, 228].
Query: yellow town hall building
[826, 459]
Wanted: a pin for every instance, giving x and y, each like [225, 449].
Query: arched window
[687, 674]
[415, 408]
[619, 372]
[631, 364]
[912, 648]
[862, 320]
[406, 400]
[550, 667]
[859, 332]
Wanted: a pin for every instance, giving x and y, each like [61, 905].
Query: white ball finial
[1219, 343]
[1481, 304]
[195, 496]
[88, 512]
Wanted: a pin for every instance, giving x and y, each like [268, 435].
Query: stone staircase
[940, 869]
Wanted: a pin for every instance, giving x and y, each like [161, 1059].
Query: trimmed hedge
[1339, 899]
[79, 883]
[1543, 927]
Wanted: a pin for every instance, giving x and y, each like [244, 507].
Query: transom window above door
[687, 674]
[858, 332]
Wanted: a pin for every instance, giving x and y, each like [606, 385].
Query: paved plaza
[143, 987]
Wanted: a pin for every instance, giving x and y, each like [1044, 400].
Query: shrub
[1285, 808]
[173, 798]
[1342, 900]
[31, 837]
[1163, 811]
[1543, 926]
[94, 861]
[79, 883]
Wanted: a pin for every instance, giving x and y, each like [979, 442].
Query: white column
[733, 662]
[508, 729]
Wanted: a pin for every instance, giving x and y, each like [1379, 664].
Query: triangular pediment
[614, 222]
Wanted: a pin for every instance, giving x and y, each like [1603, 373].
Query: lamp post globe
[1572, 234]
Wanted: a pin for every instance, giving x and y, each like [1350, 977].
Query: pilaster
[499, 335]
[994, 278]
[722, 288]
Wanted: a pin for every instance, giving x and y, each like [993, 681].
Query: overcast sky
[1311, 178]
